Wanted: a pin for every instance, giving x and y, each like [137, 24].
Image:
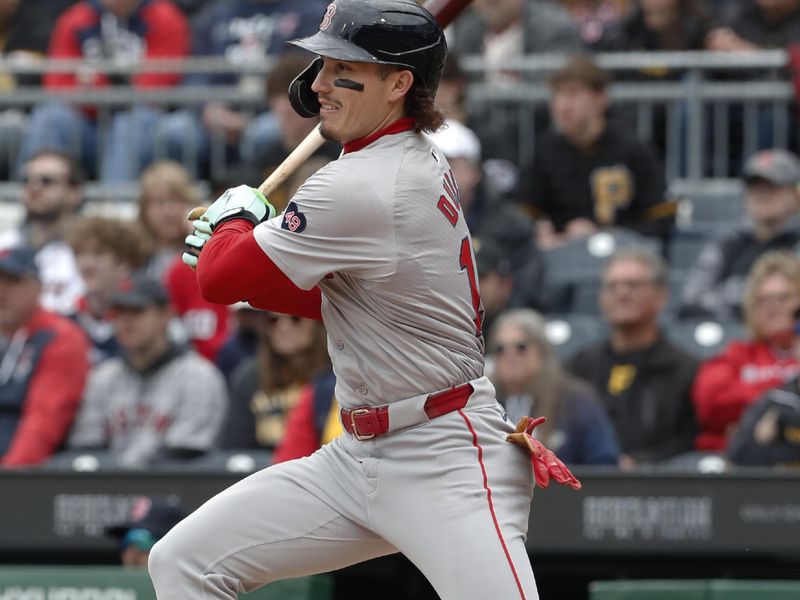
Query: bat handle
[297, 157]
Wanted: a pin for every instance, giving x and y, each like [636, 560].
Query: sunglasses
[272, 319]
[518, 348]
[44, 180]
[141, 539]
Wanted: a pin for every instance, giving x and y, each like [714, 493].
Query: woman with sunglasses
[265, 388]
[530, 380]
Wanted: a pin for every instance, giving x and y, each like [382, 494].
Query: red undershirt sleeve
[233, 267]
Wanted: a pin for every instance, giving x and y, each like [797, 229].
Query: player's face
[774, 304]
[517, 358]
[629, 296]
[356, 100]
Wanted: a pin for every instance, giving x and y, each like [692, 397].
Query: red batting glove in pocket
[546, 464]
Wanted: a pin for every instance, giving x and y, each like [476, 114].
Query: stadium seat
[685, 246]
[570, 333]
[703, 337]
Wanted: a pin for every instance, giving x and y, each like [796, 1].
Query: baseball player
[375, 245]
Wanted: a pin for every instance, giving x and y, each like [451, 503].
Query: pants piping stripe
[491, 503]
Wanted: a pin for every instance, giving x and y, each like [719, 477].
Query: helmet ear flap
[303, 100]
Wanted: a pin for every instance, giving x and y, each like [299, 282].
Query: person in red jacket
[728, 383]
[43, 369]
[120, 31]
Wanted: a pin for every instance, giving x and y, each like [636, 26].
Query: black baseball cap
[19, 261]
[140, 292]
[156, 515]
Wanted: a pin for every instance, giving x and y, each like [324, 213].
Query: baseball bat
[445, 11]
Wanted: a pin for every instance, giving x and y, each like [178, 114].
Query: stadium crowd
[643, 340]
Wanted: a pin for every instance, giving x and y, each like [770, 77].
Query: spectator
[594, 18]
[751, 26]
[452, 91]
[495, 279]
[313, 422]
[757, 25]
[488, 216]
[530, 381]
[643, 380]
[291, 351]
[243, 31]
[242, 340]
[715, 284]
[107, 252]
[269, 152]
[503, 30]
[52, 195]
[588, 174]
[43, 369]
[660, 25]
[499, 164]
[728, 383]
[25, 29]
[769, 431]
[126, 32]
[166, 195]
[149, 520]
[156, 401]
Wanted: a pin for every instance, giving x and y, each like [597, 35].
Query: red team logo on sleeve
[293, 219]
[326, 19]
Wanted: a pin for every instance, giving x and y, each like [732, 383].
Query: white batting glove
[242, 202]
[195, 242]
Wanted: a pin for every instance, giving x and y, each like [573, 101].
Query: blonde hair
[550, 384]
[767, 265]
[169, 175]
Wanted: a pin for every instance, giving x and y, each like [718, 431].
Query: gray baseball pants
[451, 494]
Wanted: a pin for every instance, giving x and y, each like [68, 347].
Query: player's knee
[162, 563]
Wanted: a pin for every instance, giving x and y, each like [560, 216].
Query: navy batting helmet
[388, 32]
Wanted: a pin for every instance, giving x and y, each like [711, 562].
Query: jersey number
[466, 263]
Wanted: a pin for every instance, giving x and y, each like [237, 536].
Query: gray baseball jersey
[380, 232]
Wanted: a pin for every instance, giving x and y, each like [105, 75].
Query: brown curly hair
[419, 103]
[102, 234]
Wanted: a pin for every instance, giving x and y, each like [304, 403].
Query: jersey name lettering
[450, 208]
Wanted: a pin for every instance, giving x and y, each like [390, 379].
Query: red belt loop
[366, 423]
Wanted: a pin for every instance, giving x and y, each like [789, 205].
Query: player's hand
[239, 202]
[546, 464]
[195, 242]
[242, 202]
